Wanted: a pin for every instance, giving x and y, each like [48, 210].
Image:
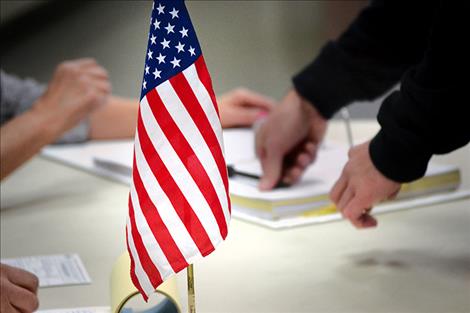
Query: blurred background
[256, 44]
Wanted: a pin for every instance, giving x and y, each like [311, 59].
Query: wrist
[47, 121]
[309, 109]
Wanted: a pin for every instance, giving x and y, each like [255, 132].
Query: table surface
[415, 261]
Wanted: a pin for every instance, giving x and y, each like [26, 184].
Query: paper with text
[53, 270]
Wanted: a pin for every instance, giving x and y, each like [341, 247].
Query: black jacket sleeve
[369, 58]
[430, 114]
[422, 45]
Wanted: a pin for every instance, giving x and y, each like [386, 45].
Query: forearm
[22, 137]
[116, 119]
[429, 114]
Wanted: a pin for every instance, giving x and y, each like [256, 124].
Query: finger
[271, 163]
[9, 308]
[367, 221]
[293, 175]
[304, 159]
[96, 71]
[355, 209]
[23, 278]
[344, 199]
[338, 188]
[259, 141]
[312, 149]
[393, 195]
[251, 98]
[22, 299]
[249, 115]
[103, 86]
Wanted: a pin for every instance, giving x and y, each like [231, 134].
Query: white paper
[97, 309]
[82, 156]
[54, 270]
[317, 180]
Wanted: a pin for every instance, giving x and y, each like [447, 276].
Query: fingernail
[264, 185]
[262, 114]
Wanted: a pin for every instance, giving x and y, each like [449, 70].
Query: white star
[169, 28]
[191, 51]
[161, 58]
[147, 68]
[165, 43]
[180, 47]
[149, 54]
[160, 9]
[144, 84]
[152, 40]
[184, 32]
[174, 13]
[175, 62]
[156, 24]
[156, 73]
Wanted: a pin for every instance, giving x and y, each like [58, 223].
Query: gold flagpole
[191, 296]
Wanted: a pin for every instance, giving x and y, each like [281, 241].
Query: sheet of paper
[54, 270]
[317, 180]
[97, 309]
[82, 156]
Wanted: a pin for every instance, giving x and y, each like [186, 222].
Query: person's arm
[117, 118]
[429, 115]
[23, 137]
[77, 88]
[369, 58]
[366, 61]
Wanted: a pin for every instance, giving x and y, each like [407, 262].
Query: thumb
[271, 163]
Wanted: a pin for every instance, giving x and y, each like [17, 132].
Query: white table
[415, 261]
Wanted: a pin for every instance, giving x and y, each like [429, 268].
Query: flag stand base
[191, 296]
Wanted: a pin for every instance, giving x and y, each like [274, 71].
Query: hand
[77, 88]
[360, 187]
[18, 290]
[242, 107]
[287, 142]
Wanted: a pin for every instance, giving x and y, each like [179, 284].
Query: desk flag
[179, 207]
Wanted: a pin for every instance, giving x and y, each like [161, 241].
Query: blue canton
[172, 44]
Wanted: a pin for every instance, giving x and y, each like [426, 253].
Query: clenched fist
[77, 88]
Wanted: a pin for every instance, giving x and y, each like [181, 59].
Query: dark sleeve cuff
[395, 161]
[323, 82]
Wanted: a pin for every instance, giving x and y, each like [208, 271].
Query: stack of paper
[310, 195]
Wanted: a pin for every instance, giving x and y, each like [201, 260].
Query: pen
[234, 172]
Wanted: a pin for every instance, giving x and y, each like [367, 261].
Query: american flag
[179, 208]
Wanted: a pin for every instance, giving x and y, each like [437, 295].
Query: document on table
[53, 270]
[98, 309]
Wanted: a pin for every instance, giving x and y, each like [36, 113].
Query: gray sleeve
[18, 95]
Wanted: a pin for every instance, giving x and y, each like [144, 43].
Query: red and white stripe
[179, 207]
